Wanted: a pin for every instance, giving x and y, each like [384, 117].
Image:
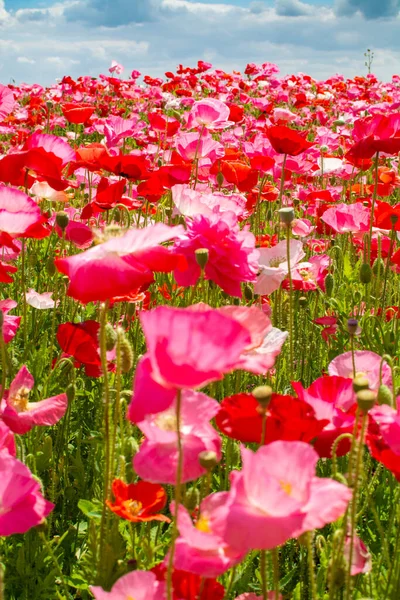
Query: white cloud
[25, 60]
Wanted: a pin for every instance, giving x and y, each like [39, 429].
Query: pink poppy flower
[302, 227]
[361, 557]
[367, 363]
[388, 421]
[137, 585]
[200, 549]
[7, 102]
[209, 112]
[274, 266]
[157, 458]
[121, 265]
[191, 146]
[7, 441]
[42, 301]
[277, 496]
[20, 415]
[332, 398]
[345, 218]
[191, 202]
[10, 322]
[308, 276]
[189, 349]
[116, 68]
[18, 212]
[232, 256]
[21, 500]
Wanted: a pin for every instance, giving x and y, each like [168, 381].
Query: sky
[43, 40]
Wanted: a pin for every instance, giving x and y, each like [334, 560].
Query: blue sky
[42, 40]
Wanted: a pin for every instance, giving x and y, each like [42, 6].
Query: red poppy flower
[287, 141]
[240, 174]
[288, 419]
[81, 341]
[188, 586]
[138, 502]
[381, 451]
[130, 166]
[5, 269]
[88, 158]
[77, 113]
[384, 212]
[108, 196]
[167, 126]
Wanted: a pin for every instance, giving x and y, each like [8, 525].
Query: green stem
[310, 559]
[291, 365]
[263, 571]
[178, 494]
[282, 180]
[374, 195]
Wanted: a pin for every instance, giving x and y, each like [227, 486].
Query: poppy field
[199, 341]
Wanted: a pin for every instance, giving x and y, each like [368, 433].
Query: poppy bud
[329, 284]
[117, 215]
[208, 459]
[131, 309]
[50, 267]
[70, 392]
[220, 179]
[360, 383]
[62, 219]
[385, 396]
[286, 215]
[324, 148]
[352, 325]
[339, 122]
[192, 499]
[126, 351]
[365, 273]
[263, 395]
[248, 293]
[366, 399]
[303, 301]
[202, 257]
[393, 219]
[111, 337]
[378, 265]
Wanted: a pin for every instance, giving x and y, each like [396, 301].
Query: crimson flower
[287, 141]
[188, 586]
[81, 341]
[77, 113]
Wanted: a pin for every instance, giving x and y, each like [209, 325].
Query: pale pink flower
[20, 415]
[388, 420]
[190, 146]
[191, 202]
[274, 265]
[302, 227]
[116, 68]
[42, 301]
[277, 496]
[18, 212]
[137, 585]
[41, 190]
[361, 558]
[200, 549]
[157, 458]
[22, 505]
[367, 363]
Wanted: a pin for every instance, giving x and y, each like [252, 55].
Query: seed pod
[378, 265]
[366, 399]
[208, 459]
[360, 383]
[220, 179]
[126, 351]
[329, 285]
[62, 219]
[202, 255]
[111, 337]
[71, 391]
[352, 326]
[286, 215]
[263, 395]
[365, 273]
[248, 293]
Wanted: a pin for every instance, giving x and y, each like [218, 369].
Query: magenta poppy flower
[190, 147]
[21, 501]
[121, 265]
[7, 441]
[345, 218]
[367, 363]
[276, 496]
[157, 458]
[138, 585]
[388, 421]
[333, 399]
[200, 549]
[7, 102]
[232, 257]
[20, 415]
[10, 322]
[209, 112]
[361, 558]
[18, 212]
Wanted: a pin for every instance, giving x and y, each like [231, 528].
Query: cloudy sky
[41, 40]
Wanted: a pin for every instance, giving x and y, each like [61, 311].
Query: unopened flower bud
[385, 395]
[366, 399]
[378, 265]
[329, 284]
[360, 383]
[202, 257]
[263, 395]
[339, 122]
[62, 219]
[303, 301]
[286, 215]
[126, 351]
[352, 326]
[324, 148]
[70, 392]
[248, 293]
[220, 178]
[50, 267]
[393, 219]
[208, 459]
[365, 273]
[111, 337]
[192, 499]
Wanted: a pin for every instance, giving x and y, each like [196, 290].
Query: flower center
[278, 260]
[287, 487]
[133, 507]
[167, 421]
[203, 524]
[306, 275]
[20, 400]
